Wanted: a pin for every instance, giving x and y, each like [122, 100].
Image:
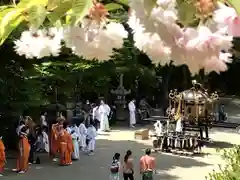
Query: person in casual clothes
[147, 165]
[96, 115]
[32, 138]
[115, 167]
[86, 109]
[128, 166]
[2, 156]
[222, 114]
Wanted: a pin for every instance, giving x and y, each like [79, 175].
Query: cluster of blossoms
[94, 39]
[39, 43]
[157, 32]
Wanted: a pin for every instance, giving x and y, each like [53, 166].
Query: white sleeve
[84, 129]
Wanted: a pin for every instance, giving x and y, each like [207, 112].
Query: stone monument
[120, 101]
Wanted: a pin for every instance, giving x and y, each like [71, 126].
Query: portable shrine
[196, 106]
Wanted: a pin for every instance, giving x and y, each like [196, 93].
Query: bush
[231, 171]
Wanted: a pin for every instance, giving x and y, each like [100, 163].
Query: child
[82, 135]
[115, 167]
[91, 138]
[75, 153]
[2, 156]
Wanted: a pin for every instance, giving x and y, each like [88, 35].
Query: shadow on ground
[97, 166]
[219, 144]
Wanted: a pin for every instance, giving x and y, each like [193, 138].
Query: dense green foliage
[231, 171]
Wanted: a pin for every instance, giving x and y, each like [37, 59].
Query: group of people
[101, 113]
[65, 142]
[68, 141]
[147, 166]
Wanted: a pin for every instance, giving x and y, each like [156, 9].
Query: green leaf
[80, 9]
[36, 15]
[60, 10]
[25, 4]
[124, 1]
[10, 28]
[52, 4]
[113, 6]
[8, 23]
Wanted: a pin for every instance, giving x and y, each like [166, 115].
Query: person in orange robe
[24, 150]
[56, 129]
[65, 148]
[2, 156]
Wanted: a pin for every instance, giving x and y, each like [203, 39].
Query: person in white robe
[76, 129]
[43, 120]
[132, 113]
[69, 129]
[45, 140]
[82, 136]
[179, 126]
[158, 128]
[42, 141]
[75, 153]
[91, 138]
[104, 111]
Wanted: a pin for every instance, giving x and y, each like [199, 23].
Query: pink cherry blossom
[228, 20]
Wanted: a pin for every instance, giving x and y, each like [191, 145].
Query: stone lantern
[120, 101]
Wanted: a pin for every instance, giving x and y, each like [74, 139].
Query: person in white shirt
[132, 111]
[91, 138]
[104, 111]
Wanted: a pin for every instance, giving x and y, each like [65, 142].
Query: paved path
[96, 167]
